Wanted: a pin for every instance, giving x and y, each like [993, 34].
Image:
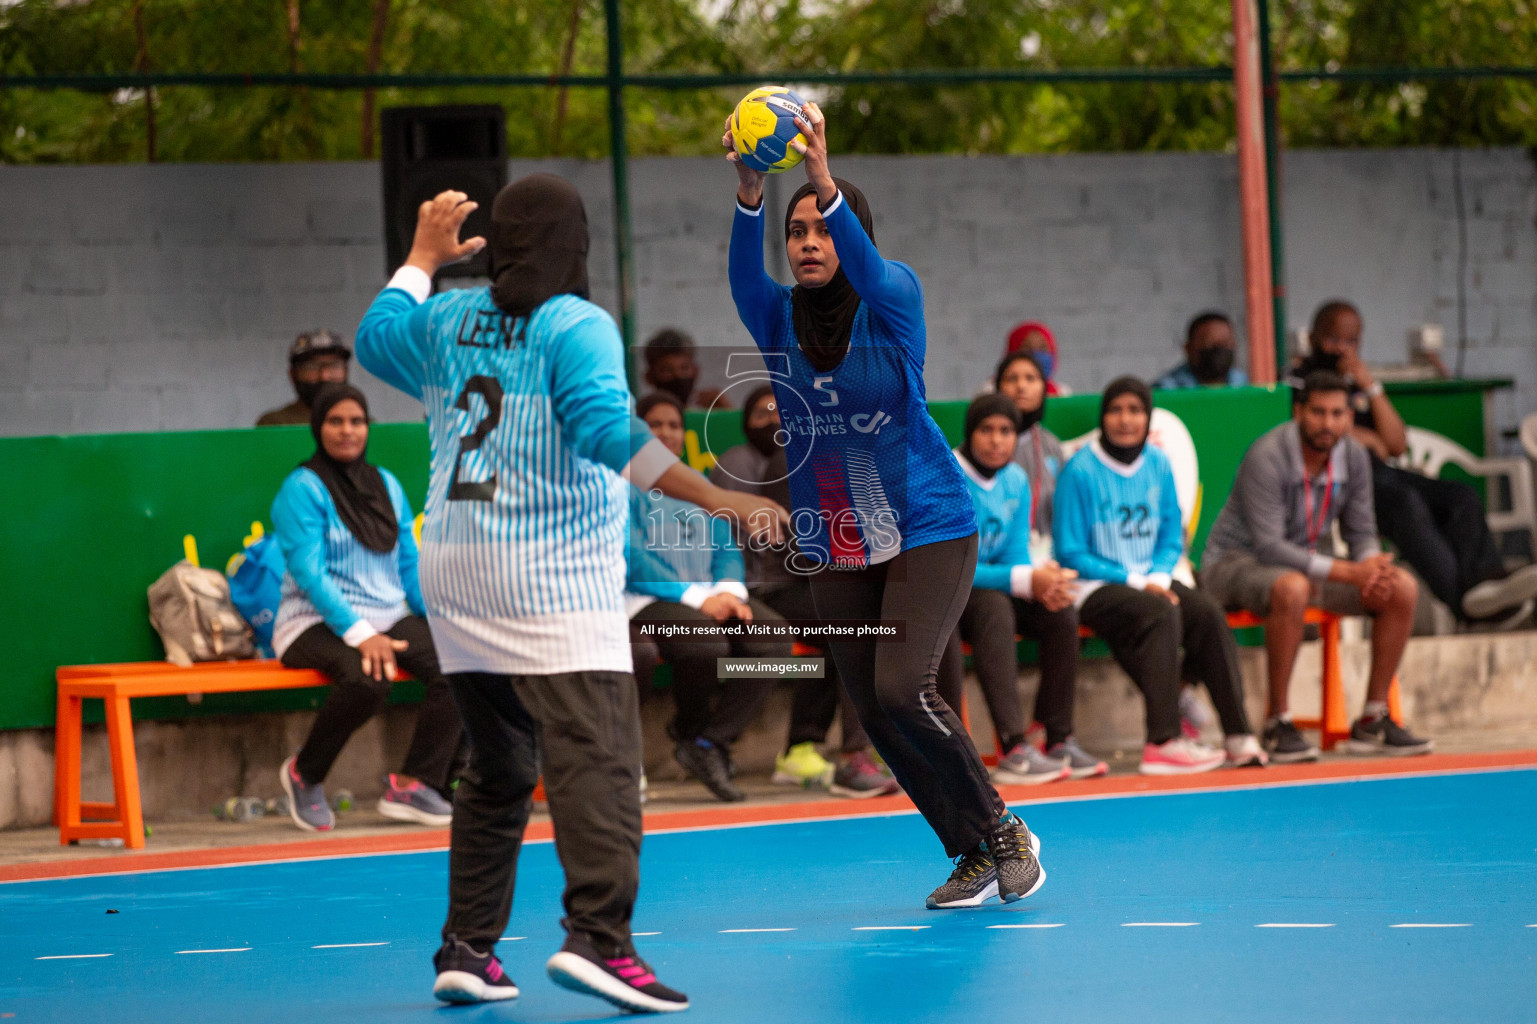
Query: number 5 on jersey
[488, 389]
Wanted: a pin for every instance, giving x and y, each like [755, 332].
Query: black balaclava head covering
[358, 489]
[1034, 416]
[761, 438]
[824, 317]
[980, 409]
[538, 242]
[1116, 388]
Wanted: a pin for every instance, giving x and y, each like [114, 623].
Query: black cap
[317, 343]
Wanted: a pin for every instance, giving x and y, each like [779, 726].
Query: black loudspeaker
[427, 150]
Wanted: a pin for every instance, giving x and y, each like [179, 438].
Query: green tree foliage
[536, 36]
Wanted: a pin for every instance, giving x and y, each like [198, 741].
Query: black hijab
[358, 489]
[1124, 386]
[824, 317]
[538, 241]
[980, 409]
[761, 438]
[1034, 416]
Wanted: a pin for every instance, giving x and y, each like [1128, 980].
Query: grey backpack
[191, 610]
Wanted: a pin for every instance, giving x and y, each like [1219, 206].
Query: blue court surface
[1396, 899]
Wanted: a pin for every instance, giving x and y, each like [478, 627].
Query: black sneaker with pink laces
[626, 981]
[465, 976]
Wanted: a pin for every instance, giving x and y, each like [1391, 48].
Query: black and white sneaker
[625, 981]
[1285, 743]
[1016, 853]
[711, 766]
[465, 976]
[973, 882]
[1380, 735]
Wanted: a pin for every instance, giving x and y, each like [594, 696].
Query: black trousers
[582, 729]
[1439, 527]
[988, 624]
[816, 701]
[892, 684]
[354, 698]
[708, 707]
[1145, 632]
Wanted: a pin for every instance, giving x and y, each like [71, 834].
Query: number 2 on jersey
[488, 389]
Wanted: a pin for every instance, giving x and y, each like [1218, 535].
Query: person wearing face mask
[1117, 524]
[1022, 379]
[882, 521]
[1209, 353]
[759, 467]
[523, 573]
[315, 359]
[1438, 526]
[352, 608]
[1009, 594]
[1036, 338]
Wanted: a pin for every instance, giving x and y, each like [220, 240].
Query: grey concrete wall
[160, 298]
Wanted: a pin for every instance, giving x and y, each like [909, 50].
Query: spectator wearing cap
[1210, 350]
[315, 359]
[1035, 337]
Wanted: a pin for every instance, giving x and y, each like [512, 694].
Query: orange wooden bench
[116, 685]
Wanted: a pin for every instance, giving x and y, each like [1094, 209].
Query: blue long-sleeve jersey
[679, 552]
[530, 420]
[872, 475]
[1002, 506]
[1117, 523]
[331, 577]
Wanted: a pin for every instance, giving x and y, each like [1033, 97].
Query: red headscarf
[1017, 341]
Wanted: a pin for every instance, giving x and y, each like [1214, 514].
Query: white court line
[752, 931]
[891, 928]
[1160, 924]
[236, 949]
[74, 956]
[1292, 924]
[512, 938]
[1025, 925]
[1430, 926]
[348, 945]
[644, 934]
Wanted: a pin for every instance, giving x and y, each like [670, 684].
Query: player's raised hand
[438, 221]
[749, 187]
[813, 125]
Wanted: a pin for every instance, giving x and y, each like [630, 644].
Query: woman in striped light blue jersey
[352, 608]
[1010, 593]
[881, 517]
[1117, 522]
[684, 567]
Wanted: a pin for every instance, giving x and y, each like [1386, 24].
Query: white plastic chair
[1429, 451]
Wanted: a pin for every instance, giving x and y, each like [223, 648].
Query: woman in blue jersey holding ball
[881, 514]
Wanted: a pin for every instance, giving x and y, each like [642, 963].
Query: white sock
[1375, 709]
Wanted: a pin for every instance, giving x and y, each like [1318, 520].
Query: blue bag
[256, 587]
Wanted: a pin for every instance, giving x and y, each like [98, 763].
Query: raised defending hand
[438, 221]
[813, 125]
[749, 183]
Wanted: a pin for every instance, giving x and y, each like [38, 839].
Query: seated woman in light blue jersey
[1023, 379]
[1009, 594]
[1117, 523]
[684, 567]
[352, 608]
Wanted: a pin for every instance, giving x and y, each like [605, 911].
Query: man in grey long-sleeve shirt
[1263, 556]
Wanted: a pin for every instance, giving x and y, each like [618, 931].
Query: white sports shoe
[1179, 756]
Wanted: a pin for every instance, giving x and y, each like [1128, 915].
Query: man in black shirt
[1438, 526]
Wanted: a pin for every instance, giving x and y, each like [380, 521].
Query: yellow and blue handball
[763, 126]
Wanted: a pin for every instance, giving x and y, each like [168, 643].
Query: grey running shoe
[858, 776]
[306, 804]
[1016, 856]
[1023, 765]
[710, 766]
[1080, 763]
[1285, 743]
[973, 882]
[1382, 735]
[465, 976]
[414, 801]
[1491, 597]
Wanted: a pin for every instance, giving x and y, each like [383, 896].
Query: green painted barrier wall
[95, 519]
